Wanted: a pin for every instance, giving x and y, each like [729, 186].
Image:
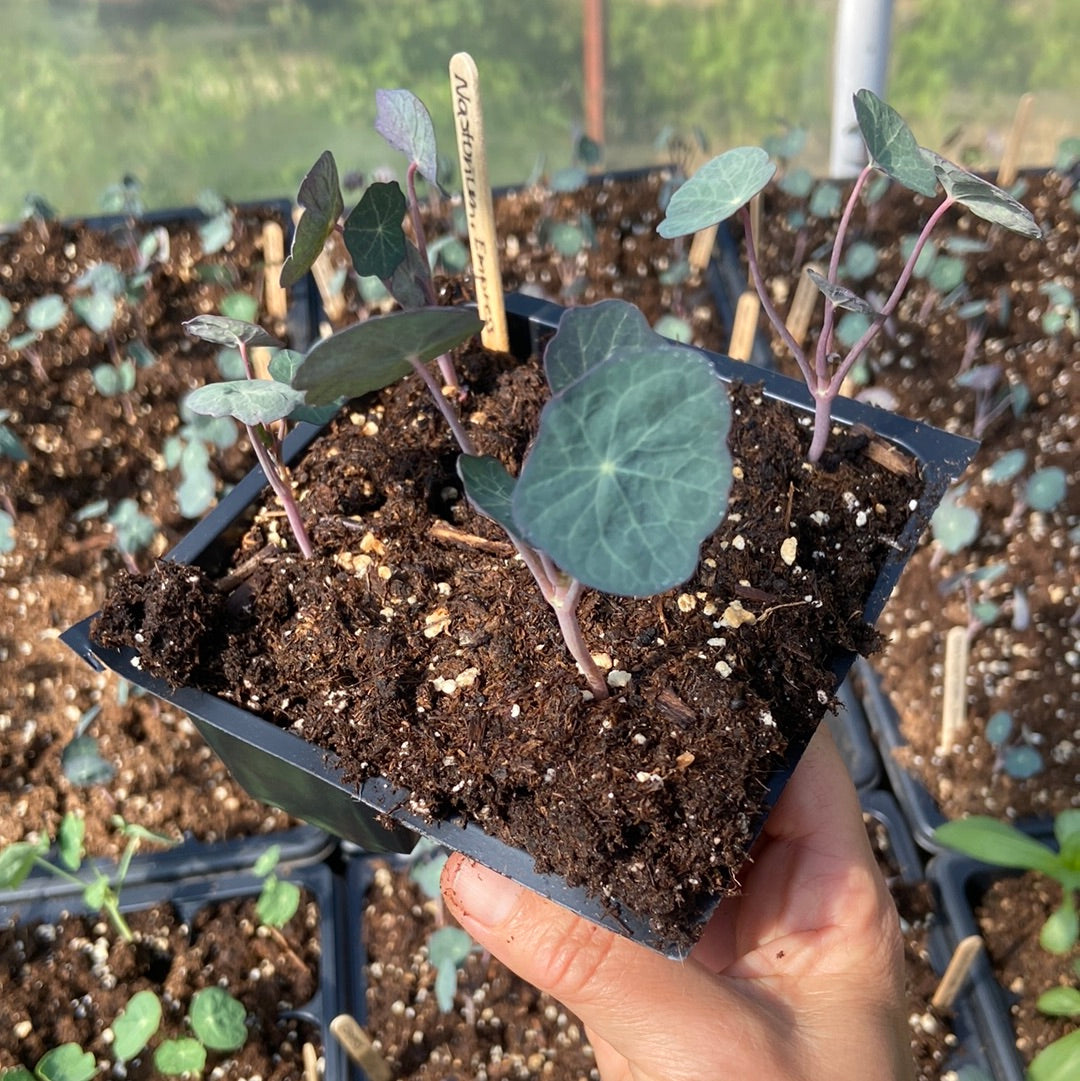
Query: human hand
[800, 978]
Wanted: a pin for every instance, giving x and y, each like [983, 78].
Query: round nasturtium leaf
[46, 312]
[1023, 762]
[373, 233]
[68, 1062]
[891, 146]
[181, 1056]
[218, 1019]
[588, 335]
[630, 471]
[717, 190]
[1045, 488]
[954, 526]
[136, 1024]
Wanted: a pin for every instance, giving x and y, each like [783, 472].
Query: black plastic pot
[883, 807]
[959, 882]
[280, 768]
[919, 806]
[189, 896]
[852, 735]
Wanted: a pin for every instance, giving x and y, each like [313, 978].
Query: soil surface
[501, 1029]
[1011, 914]
[624, 258]
[67, 982]
[416, 648]
[1024, 659]
[83, 448]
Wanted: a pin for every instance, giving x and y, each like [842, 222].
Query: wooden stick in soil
[956, 973]
[358, 1046]
[311, 1062]
[1010, 157]
[479, 209]
[273, 246]
[804, 304]
[954, 692]
[701, 248]
[746, 320]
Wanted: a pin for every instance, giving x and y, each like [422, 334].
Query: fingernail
[481, 895]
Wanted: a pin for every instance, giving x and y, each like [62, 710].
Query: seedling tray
[921, 809]
[959, 882]
[280, 768]
[852, 735]
[189, 896]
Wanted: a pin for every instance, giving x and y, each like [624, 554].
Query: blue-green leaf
[954, 526]
[17, 861]
[489, 487]
[983, 199]
[250, 401]
[97, 310]
[1060, 1002]
[138, 1021]
[448, 947]
[587, 336]
[370, 355]
[320, 198]
[183, 1056]
[218, 1019]
[403, 121]
[221, 330]
[1045, 488]
[241, 306]
[46, 313]
[83, 764]
[613, 489]
[1059, 934]
[892, 147]
[373, 233]
[717, 190]
[68, 1062]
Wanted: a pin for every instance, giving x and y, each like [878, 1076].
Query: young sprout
[1002, 845]
[725, 185]
[101, 892]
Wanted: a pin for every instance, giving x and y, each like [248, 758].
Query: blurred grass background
[242, 95]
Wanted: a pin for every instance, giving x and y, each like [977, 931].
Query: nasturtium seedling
[218, 1019]
[954, 526]
[402, 120]
[321, 202]
[68, 1062]
[184, 1056]
[1045, 488]
[1006, 467]
[448, 948]
[373, 235]
[138, 1021]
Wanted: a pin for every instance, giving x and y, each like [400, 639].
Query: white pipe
[860, 60]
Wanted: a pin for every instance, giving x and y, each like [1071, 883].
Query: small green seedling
[725, 185]
[1061, 1060]
[101, 892]
[278, 899]
[1002, 845]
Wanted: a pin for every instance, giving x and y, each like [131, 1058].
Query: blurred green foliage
[242, 95]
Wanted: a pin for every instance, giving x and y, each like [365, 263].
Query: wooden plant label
[803, 306]
[479, 210]
[358, 1046]
[701, 248]
[952, 983]
[273, 245]
[1010, 157]
[746, 320]
[954, 696]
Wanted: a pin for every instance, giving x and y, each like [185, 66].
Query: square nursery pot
[959, 882]
[903, 868]
[919, 806]
[188, 897]
[280, 768]
[852, 735]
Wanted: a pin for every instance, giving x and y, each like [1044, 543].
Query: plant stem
[565, 602]
[767, 304]
[283, 491]
[447, 410]
[446, 367]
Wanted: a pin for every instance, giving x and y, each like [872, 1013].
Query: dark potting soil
[1011, 914]
[68, 982]
[1024, 659]
[82, 448]
[500, 1028]
[625, 258]
[416, 647]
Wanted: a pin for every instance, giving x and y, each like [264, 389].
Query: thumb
[665, 1017]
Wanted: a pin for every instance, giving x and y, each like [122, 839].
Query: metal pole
[860, 60]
